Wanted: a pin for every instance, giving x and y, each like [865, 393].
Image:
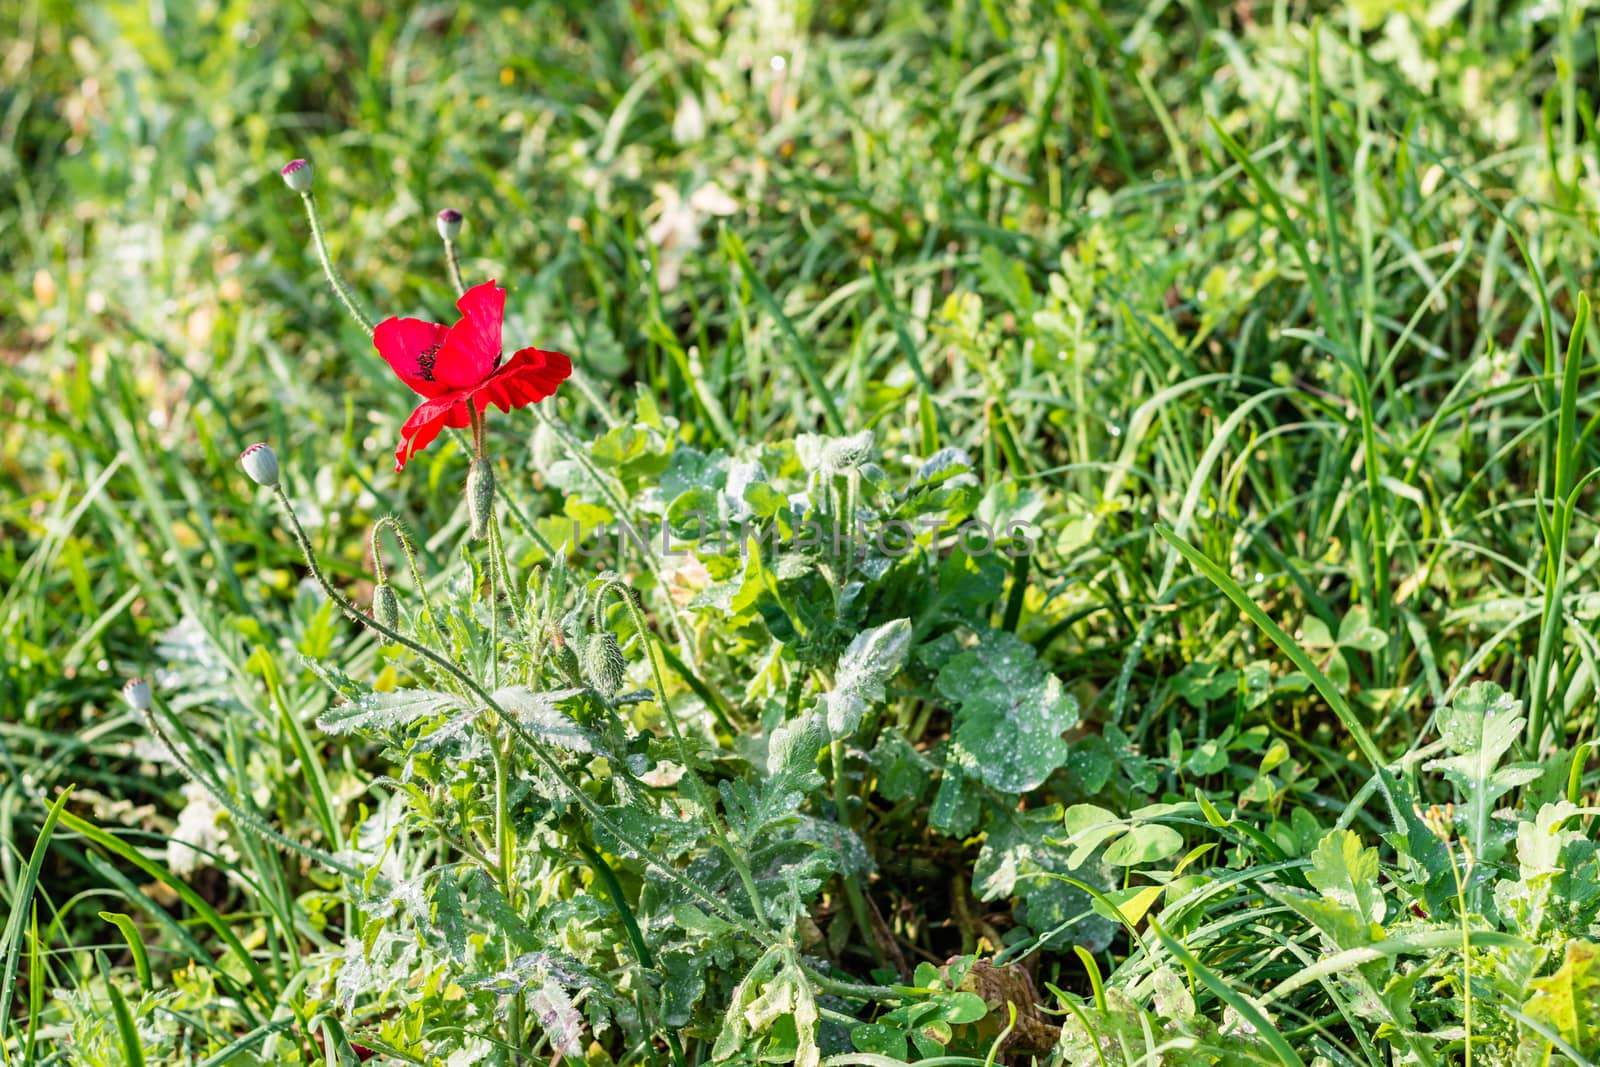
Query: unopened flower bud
[848, 453]
[480, 498]
[449, 221]
[297, 175]
[566, 658]
[260, 462]
[386, 606]
[603, 662]
[137, 694]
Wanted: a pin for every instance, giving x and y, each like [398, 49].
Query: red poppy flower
[454, 366]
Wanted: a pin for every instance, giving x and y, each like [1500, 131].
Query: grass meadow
[1068, 538]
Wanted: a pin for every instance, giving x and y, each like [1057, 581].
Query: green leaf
[960, 1008]
[1088, 827]
[1012, 712]
[683, 986]
[1569, 1000]
[1144, 843]
[873, 658]
[956, 807]
[903, 772]
[1339, 924]
[1356, 632]
[879, 1039]
[385, 711]
[541, 714]
[1347, 874]
[1480, 727]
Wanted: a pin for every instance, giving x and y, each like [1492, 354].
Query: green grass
[1273, 328]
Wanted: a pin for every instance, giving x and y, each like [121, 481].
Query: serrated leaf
[386, 711]
[540, 713]
[873, 658]
[1346, 873]
[1480, 727]
[1569, 1000]
[1339, 924]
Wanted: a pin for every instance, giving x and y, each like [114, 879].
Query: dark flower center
[425, 362]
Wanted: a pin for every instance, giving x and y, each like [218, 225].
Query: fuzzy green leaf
[1012, 712]
[873, 658]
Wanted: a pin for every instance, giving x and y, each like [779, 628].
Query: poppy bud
[603, 663]
[848, 453]
[260, 462]
[297, 175]
[137, 694]
[386, 606]
[480, 498]
[449, 221]
[566, 658]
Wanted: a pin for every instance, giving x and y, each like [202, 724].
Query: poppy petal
[527, 378]
[411, 348]
[426, 422]
[472, 348]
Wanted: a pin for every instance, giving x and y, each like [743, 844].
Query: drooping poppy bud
[449, 222]
[386, 606]
[566, 658]
[603, 662]
[137, 693]
[480, 498]
[297, 175]
[260, 462]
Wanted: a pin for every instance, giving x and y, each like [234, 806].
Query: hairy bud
[603, 663]
[566, 658]
[297, 175]
[480, 498]
[848, 453]
[386, 606]
[260, 462]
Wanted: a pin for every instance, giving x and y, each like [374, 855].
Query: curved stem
[339, 288]
[246, 819]
[535, 744]
[408, 550]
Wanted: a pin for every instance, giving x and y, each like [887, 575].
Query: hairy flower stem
[520, 521]
[452, 259]
[686, 649]
[534, 743]
[502, 570]
[702, 793]
[339, 288]
[244, 818]
[410, 552]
